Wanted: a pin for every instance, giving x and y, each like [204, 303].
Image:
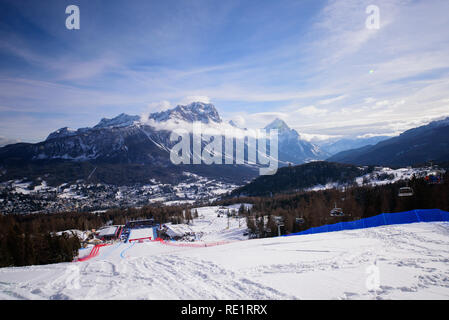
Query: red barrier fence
[192, 245]
[141, 239]
[94, 252]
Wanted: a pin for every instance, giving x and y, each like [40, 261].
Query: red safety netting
[140, 239]
[192, 245]
[96, 249]
[94, 252]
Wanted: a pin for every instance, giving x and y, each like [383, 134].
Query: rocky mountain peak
[278, 124]
[122, 120]
[60, 133]
[195, 111]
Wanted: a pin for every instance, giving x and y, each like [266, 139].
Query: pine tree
[241, 210]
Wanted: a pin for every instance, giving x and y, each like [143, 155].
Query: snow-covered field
[379, 176]
[389, 262]
[211, 228]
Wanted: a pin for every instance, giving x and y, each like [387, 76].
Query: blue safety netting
[334, 227]
[419, 215]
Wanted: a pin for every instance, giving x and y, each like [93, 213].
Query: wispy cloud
[310, 63]
[311, 111]
[5, 141]
[334, 99]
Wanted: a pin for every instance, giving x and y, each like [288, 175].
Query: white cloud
[332, 100]
[223, 128]
[4, 141]
[311, 137]
[370, 135]
[239, 121]
[154, 107]
[380, 104]
[406, 54]
[190, 99]
[311, 111]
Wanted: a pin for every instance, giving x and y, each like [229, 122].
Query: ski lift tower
[280, 223]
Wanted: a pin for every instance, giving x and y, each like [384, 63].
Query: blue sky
[312, 63]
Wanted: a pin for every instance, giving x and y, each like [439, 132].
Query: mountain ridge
[292, 149]
[130, 140]
[417, 145]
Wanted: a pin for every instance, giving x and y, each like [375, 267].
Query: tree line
[302, 210]
[31, 239]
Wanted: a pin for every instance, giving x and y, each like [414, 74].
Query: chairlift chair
[337, 212]
[405, 192]
[299, 220]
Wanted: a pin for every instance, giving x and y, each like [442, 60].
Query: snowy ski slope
[412, 261]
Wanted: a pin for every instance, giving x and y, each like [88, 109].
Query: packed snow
[408, 261]
[136, 234]
[107, 231]
[379, 176]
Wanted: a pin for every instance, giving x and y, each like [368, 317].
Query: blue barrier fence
[419, 215]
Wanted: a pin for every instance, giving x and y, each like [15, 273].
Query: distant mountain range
[339, 145]
[128, 149]
[6, 141]
[414, 146]
[123, 150]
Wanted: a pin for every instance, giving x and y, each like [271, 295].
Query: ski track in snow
[413, 262]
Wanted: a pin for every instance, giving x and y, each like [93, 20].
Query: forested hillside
[356, 202]
[303, 176]
[30, 239]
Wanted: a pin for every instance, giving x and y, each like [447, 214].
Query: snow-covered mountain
[336, 146]
[414, 146]
[131, 140]
[123, 141]
[196, 111]
[122, 120]
[292, 148]
[62, 133]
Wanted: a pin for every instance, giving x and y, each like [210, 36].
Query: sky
[312, 63]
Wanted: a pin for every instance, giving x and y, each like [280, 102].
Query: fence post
[385, 220]
[417, 215]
